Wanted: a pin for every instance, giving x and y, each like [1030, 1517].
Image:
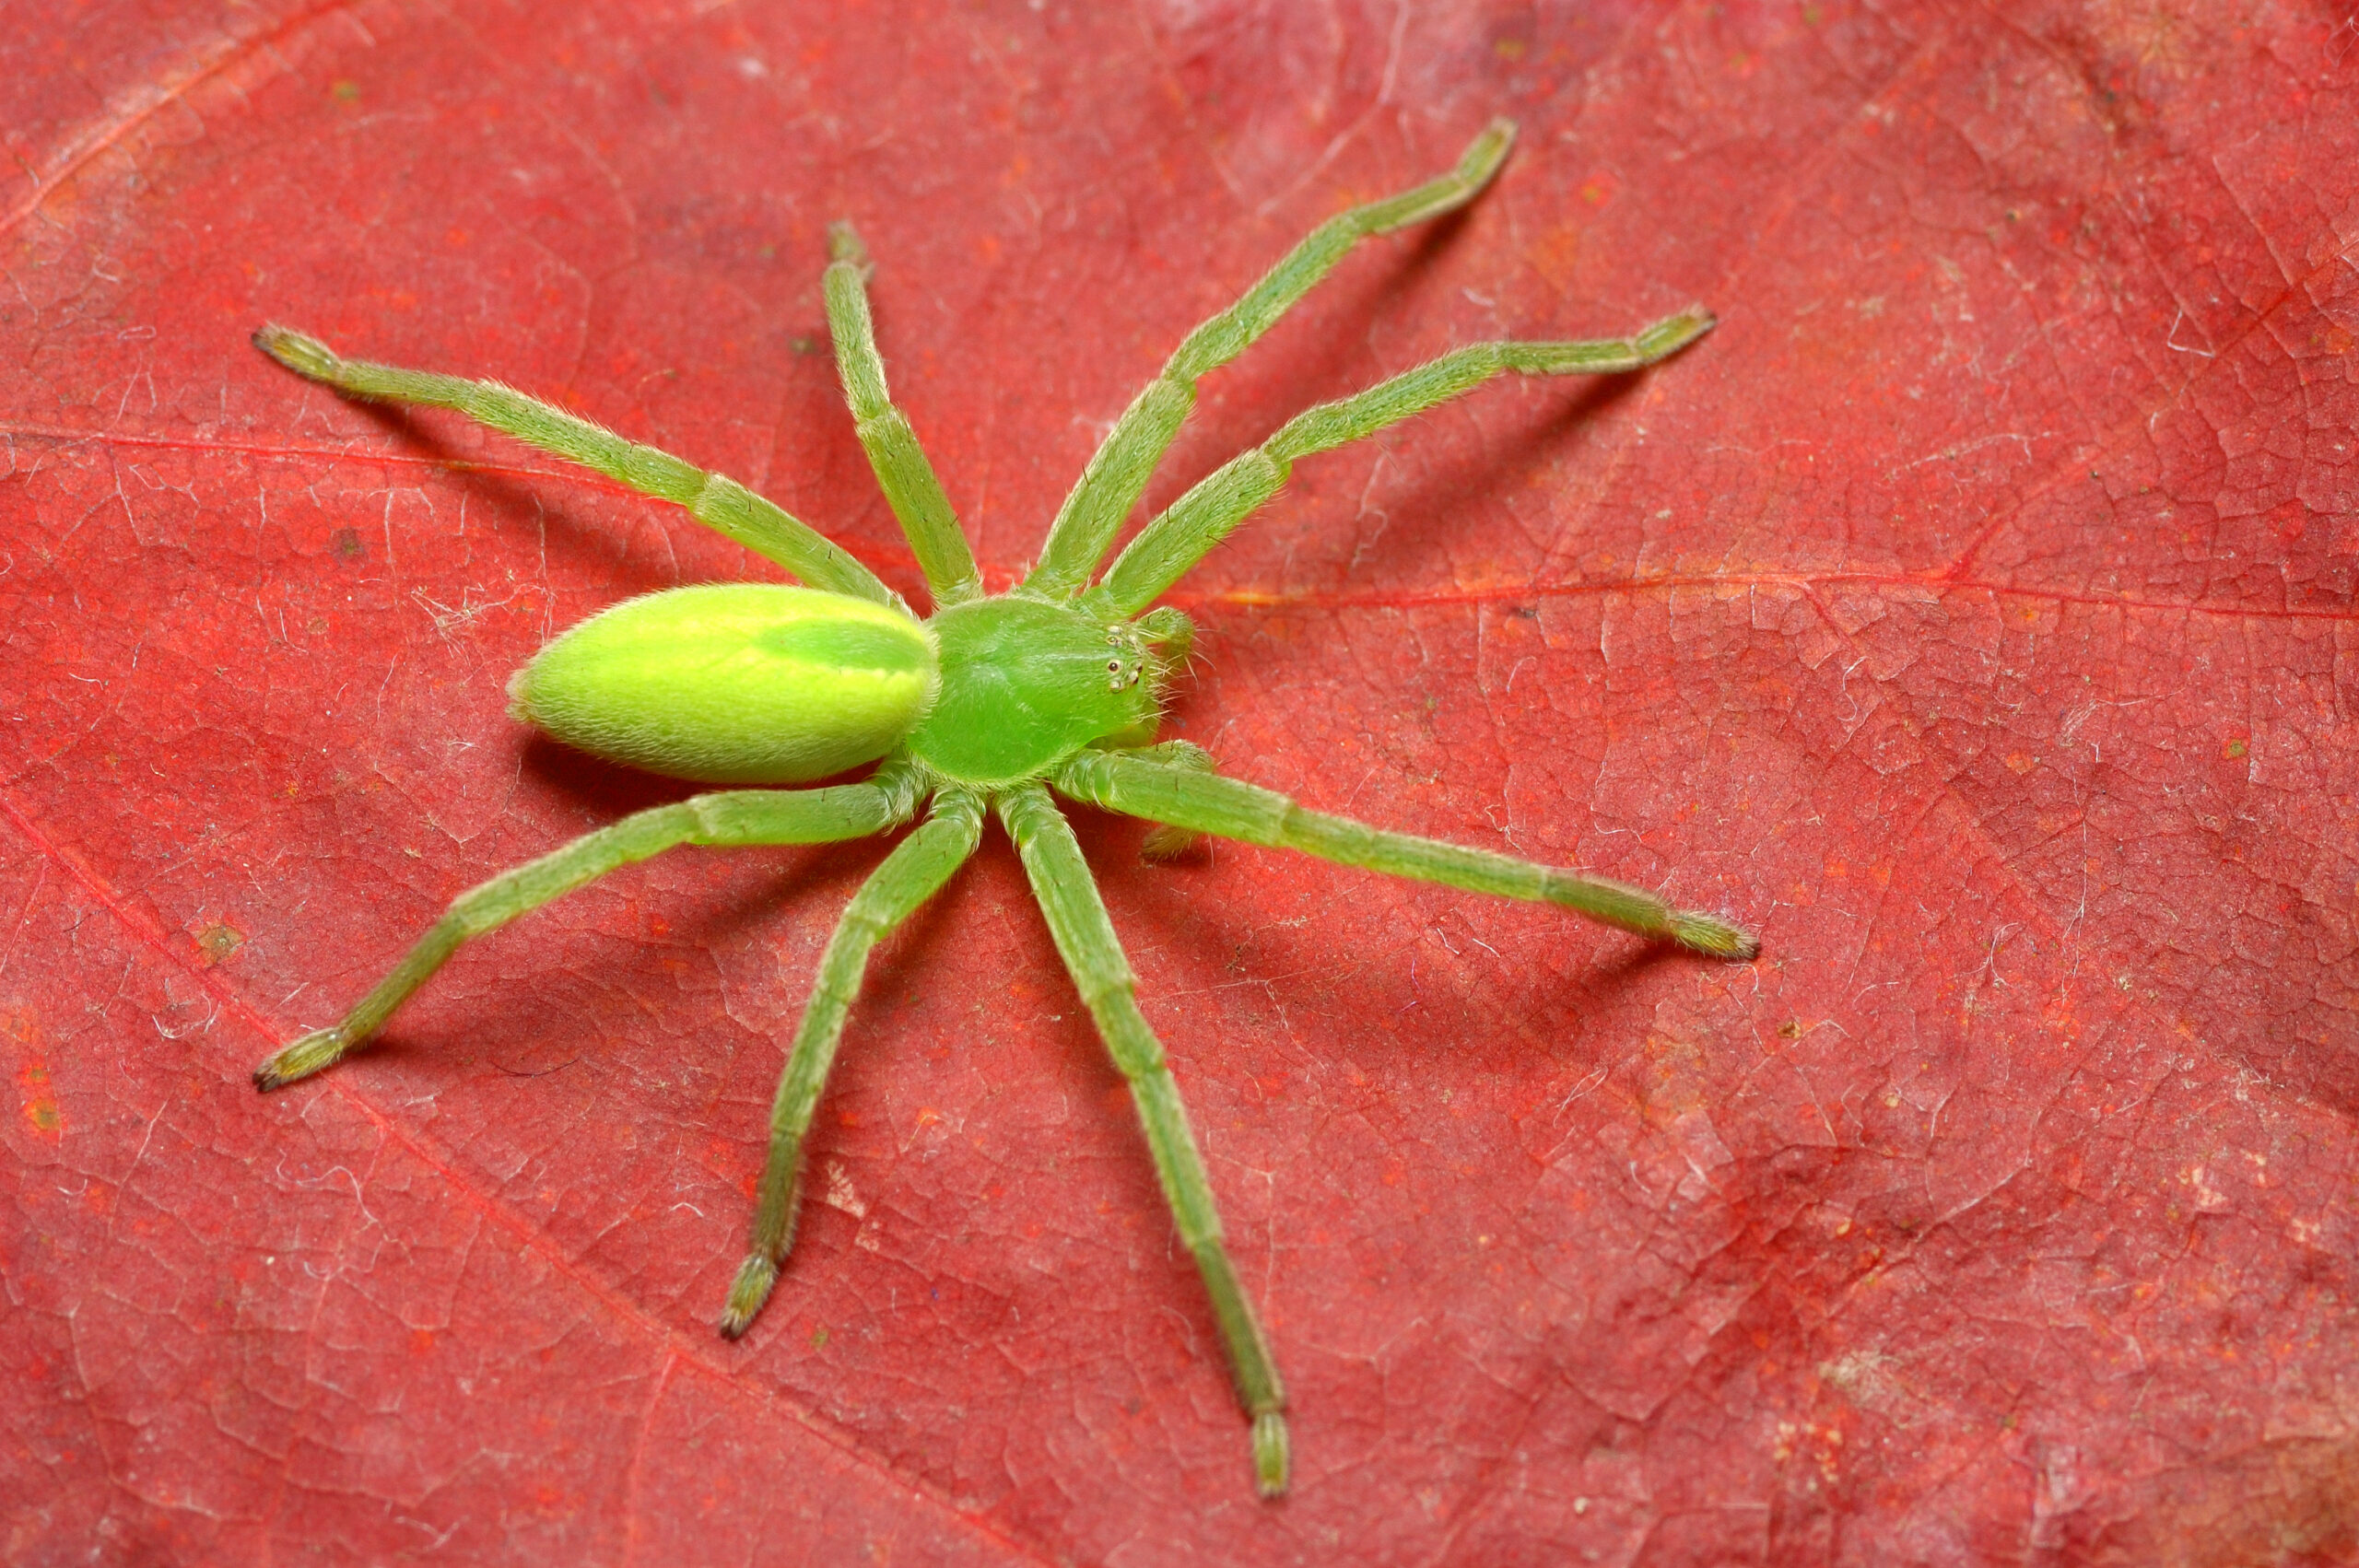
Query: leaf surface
[1970, 614]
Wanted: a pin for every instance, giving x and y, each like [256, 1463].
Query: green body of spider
[988, 705]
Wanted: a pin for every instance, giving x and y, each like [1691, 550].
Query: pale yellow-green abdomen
[742, 682]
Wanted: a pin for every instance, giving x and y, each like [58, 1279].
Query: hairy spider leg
[1067, 893]
[1181, 794]
[1119, 470]
[912, 874]
[717, 501]
[902, 471]
[1181, 535]
[729, 818]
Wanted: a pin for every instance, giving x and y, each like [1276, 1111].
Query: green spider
[990, 702]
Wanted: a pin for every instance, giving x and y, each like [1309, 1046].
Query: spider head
[1026, 682]
[1147, 654]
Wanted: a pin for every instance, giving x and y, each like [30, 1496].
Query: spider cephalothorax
[989, 703]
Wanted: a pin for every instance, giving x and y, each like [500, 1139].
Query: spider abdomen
[741, 682]
[1025, 685]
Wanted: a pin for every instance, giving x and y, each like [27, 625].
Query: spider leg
[719, 502]
[1187, 530]
[1085, 937]
[1109, 486]
[1190, 798]
[918, 866]
[902, 471]
[727, 818]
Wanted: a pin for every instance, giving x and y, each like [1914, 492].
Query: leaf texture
[1971, 613]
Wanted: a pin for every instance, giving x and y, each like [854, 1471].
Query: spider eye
[1113, 666]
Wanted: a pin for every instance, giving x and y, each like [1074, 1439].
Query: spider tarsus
[1673, 333]
[843, 245]
[1483, 156]
[316, 1050]
[304, 355]
[1476, 167]
[1709, 933]
[755, 1278]
[1272, 1457]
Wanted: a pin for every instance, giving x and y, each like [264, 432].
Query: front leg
[1093, 514]
[1183, 533]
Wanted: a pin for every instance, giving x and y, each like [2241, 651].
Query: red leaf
[1972, 612]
